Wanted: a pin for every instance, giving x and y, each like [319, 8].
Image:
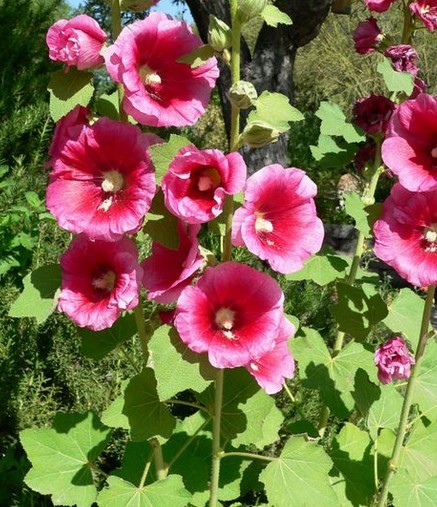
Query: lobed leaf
[273, 16]
[394, 80]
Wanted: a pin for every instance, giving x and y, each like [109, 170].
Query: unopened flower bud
[219, 34]
[258, 134]
[248, 9]
[242, 94]
[137, 5]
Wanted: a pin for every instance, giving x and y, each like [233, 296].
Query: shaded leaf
[321, 269]
[161, 225]
[384, 413]
[162, 154]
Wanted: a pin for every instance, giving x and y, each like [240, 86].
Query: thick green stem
[145, 471]
[216, 449]
[142, 332]
[247, 455]
[161, 468]
[408, 400]
[408, 29]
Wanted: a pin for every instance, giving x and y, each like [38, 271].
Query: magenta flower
[372, 113]
[410, 149]
[393, 360]
[426, 10]
[100, 280]
[367, 36]
[403, 58]
[278, 221]
[197, 182]
[159, 91]
[406, 235]
[271, 369]
[419, 86]
[379, 5]
[103, 183]
[167, 272]
[78, 41]
[233, 313]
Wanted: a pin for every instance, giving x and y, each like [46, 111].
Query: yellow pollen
[261, 224]
[105, 282]
[224, 319]
[431, 235]
[112, 182]
[148, 77]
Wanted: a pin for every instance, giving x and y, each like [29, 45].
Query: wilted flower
[426, 10]
[373, 113]
[403, 58]
[393, 360]
[78, 41]
[99, 281]
[367, 36]
[379, 5]
[160, 91]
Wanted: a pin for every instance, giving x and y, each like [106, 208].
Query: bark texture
[271, 65]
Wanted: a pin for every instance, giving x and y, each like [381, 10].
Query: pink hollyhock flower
[367, 36]
[100, 280]
[77, 42]
[393, 360]
[372, 113]
[278, 221]
[410, 149]
[167, 272]
[406, 235]
[419, 86]
[197, 182]
[233, 313]
[403, 58]
[379, 5]
[271, 369]
[159, 91]
[68, 128]
[426, 10]
[103, 183]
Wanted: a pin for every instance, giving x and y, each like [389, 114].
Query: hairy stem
[161, 468]
[142, 331]
[216, 450]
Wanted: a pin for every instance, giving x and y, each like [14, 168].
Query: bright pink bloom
[100, 280]
[159, 91]
[379, 5]
[197, 182]
[77, 42]
[403, 58]
[372, 113]
[103, 183]
[271, 369]
[367, 36]
[393, 360]
[278, 221]
[410, 149]
[68, 128]
[426, 10]
[406, 235]
[233, 313]
[167, 271]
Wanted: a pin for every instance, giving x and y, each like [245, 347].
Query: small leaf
[384, 413]
[197, 57]
[61, 458]
[161, 225]
[394, 80]
[299, 477]
[67, 90]
[334, 123]
[273, 16]
[329, 153]
[354, 207]
[107, 105]
[275, 110]
[38, 298]
[321, 269]
[162, 154]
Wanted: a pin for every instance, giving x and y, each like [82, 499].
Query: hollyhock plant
[366, 153]
[373, 113]
[410, 149]
[233, 313]
[379, 5]
[167, 272]
[406, 235]
[278, 221]
[403, 58]
[159, 90]
[103, 183]
[393, 360]
[76, 42]
[197, 182]
[367, 36]
[426, 10]
[271, 369]
[100, 280]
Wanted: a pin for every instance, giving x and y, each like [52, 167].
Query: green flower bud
[219, 34]
[248, 9]
[242, 94]
[258, 134]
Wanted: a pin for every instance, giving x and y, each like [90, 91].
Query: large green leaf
[418, 456]
[121, 493]
[113, 415]
[163, 154]
[394, 80]
[385, 412]
[177, 367]
[321, 269]
[330, 152]
[334, 123]
[413, 493]
[62, 456]
[425, 390]
[161, 225]
[299, 477]
[39, 296]
[67, 90]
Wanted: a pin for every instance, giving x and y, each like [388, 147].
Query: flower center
[430, 236]
[148, 77]
[434, 152]
[209, 178]
[261, 224]
[224, 318]
[112, 181]
[105, 282]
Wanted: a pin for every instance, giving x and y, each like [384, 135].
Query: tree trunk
[271, 66]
